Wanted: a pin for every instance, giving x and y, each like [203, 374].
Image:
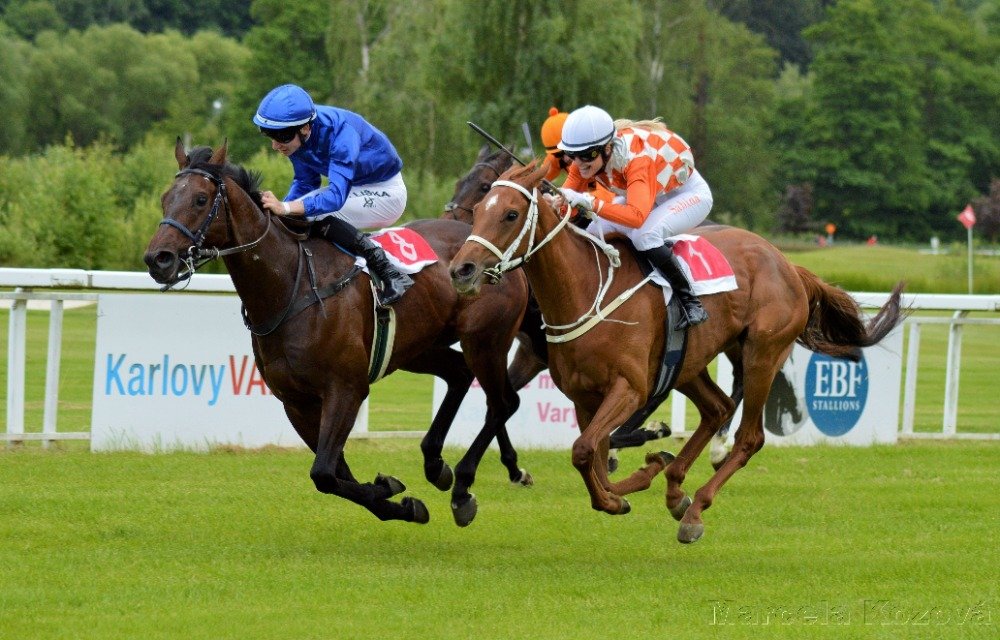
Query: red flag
[967, 217]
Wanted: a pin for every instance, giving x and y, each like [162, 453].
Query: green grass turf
[819, 542]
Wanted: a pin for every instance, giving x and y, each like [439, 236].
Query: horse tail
[835, 325]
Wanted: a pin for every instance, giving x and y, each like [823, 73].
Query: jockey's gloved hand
[575, 199]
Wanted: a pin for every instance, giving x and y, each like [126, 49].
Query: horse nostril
[165, 259]
[161, 261]
[462, 271]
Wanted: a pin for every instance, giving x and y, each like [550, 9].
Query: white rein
[508, 261]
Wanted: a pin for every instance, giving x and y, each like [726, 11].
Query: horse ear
[219, 157]
[182, 158]
[484, 153]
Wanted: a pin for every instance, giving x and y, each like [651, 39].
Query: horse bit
[196, 255]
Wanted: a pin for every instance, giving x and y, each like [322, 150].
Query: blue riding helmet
[286, 106]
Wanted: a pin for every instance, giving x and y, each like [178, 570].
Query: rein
[507, 261]
[197, 256]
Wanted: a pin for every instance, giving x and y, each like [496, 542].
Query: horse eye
[484, 187]
[511, 215]
[202, 199]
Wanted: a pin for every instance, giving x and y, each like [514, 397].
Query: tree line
[880, 116]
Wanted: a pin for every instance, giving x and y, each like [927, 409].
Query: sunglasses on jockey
[586, 155]
[281, 136]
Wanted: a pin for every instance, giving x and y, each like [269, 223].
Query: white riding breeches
[372, 206]
[676, 212]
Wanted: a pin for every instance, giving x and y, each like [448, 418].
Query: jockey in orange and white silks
[658, 191]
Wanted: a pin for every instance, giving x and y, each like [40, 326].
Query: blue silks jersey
[349, 151]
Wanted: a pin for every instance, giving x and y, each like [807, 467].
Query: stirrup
[393, 290]
[692, 314]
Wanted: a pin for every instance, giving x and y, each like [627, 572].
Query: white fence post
[52, 370]
[16, 338]
[951, 376]
[910, 386]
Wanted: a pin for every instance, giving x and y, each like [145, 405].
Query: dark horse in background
[531, 357]
[609, 370]
[311, 313]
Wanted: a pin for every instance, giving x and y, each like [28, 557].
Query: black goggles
[586, 155]
[283, 136]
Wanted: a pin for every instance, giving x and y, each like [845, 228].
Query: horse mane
[249, 181]
[517, 172]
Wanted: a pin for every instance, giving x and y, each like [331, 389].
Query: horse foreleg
[526, 364]
[590, 450]
[449, 365]
[714, 408]
[501, 403]
[330, 473]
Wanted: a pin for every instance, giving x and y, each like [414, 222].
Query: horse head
[197, 223]
[471, 187]
[504, 229]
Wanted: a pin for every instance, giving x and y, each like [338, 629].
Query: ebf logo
[836, 391]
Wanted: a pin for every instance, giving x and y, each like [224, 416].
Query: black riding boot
[663, 259]
[339, 232]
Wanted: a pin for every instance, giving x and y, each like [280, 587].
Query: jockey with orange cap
[659, 192]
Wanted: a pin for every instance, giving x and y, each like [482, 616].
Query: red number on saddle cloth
[705, 262]
[406, 247]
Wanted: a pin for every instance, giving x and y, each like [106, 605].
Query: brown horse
[531, 357]
[608, 370]
[312, 319]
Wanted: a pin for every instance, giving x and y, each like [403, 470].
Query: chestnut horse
[313, 327]
[531, 357]
[609, 370]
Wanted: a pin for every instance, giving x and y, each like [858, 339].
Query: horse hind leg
[759, 372]
[719, 451]
[714, 407]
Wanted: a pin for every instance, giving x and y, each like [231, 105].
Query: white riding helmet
[587, 127]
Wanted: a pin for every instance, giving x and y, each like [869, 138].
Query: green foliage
[31, 17]
[81, 207]
[900, 127]
[894, 125]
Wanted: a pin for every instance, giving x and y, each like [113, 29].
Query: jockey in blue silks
[365, 187]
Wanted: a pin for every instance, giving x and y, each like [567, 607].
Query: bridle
[451, 206]
[196, 256]
[507, 261]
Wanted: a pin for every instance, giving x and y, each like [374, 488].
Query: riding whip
[548, 186]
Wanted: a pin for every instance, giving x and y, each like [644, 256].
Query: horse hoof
[612, 464]
[659, 429]
[444, 477]
[391, 483]
[418, 510]
[625, 508]
[688, 533]
[465, 513]
[525, 480]
[678, 511]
